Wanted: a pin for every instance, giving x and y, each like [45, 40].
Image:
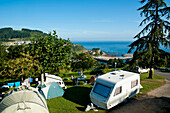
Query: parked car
[167, 69]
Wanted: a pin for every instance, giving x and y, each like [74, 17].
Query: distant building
[10, 43]
[128, 55]
[19, 42]
[27, 42]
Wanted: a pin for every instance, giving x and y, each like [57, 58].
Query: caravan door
[116, 97]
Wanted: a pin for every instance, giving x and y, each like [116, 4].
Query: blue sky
[79, 20]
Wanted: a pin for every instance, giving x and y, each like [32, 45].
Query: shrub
[60, 75]
[81, 83]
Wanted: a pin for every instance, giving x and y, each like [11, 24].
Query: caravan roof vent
[113, 73]
[122, 76]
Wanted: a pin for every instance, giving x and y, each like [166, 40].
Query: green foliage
[3, 55]
[34, 33]
[101, 52]
[53, 53]
[100, 71]
[77, 49]
[15, 51]
[95, 49]
[19, 67]
[60, 75]
[9, 33]
[69, 74]
[81, 83]
[82, 62]
[153, 35]
[119, 62]
[104, 66]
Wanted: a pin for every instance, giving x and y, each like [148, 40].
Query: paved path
[164, 74]
[163, 91]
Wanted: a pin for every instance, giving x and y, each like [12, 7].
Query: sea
[117, 48]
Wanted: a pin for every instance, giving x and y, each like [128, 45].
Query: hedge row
[93, 72]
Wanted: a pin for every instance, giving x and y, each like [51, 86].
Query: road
[164, 74]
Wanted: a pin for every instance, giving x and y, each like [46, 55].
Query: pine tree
[154, 34]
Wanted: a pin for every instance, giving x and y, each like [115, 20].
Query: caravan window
[102, 90]
[118, 90]
[134, 83]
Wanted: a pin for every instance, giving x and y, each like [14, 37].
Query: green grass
[150, 84]
[76, 98]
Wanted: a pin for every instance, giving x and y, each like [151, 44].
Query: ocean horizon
[111, 47]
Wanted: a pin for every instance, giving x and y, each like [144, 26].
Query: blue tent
[52, 90]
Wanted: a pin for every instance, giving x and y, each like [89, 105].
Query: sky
[78, 20]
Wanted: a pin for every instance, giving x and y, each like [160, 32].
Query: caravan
[115, 87]
[53, 78]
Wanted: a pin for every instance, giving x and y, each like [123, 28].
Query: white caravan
[53, 78]
[115, 87]
[141, 70]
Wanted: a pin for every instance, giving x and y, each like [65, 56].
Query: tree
[51, 52]
[15, 51]
[119, 62]
[20, 68]
[153, 34]
[82, 62]
[3, 56]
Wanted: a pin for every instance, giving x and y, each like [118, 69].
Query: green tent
[51, 90]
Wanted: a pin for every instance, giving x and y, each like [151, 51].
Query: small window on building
[134, 83]
[118, 90]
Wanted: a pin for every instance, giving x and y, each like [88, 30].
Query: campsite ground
[76, 99]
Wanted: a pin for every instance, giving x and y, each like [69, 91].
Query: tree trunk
[150, 73]
[150, 69]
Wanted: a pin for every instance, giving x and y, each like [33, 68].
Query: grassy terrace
[150, 84]
[76, 98]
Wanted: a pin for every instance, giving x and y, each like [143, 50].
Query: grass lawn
[76, 98]
[150, 84]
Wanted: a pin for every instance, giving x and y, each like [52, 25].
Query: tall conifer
[153, 35]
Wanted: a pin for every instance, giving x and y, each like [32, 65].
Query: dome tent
[23, 100]
[51, 90]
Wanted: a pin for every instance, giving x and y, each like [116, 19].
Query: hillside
[78, 49]
[8, 33]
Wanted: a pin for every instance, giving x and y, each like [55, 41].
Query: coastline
[106, 58]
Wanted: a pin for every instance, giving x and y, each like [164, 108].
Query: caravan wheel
[125, 101]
